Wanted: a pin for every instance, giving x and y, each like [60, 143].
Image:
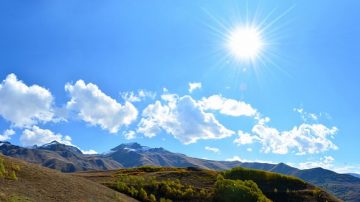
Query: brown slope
[37, 183]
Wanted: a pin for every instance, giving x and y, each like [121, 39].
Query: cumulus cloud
[212, 149]
[129, 135]
[38, 136]
[24, 105]
[183, 118]
[328, 162]
[193, 86]
[244, 138]
[234, 158]
[141, 95]
[304, 139]
[325, 162]
[228, 106]
[95, 107]
[7, 135]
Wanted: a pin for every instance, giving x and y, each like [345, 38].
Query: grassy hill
[194, 184]
[22, 181]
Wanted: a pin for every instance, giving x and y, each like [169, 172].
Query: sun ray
[248, 39]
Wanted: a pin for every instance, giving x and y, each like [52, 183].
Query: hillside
[69, 159]
[194, 184]
[35, 183]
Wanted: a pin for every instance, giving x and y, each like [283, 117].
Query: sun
[245, 43]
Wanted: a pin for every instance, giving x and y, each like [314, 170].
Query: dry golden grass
[36, 183]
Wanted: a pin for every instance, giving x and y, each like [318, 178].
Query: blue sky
[88, 58]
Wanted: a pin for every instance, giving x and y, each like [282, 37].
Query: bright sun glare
[245, 43]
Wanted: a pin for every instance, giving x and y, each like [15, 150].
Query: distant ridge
[354, 174]
[70, 159]
[58, 156]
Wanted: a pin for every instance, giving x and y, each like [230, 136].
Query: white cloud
[347, 169]
[238, 158]
[234, 158]
[244, 138]
[304, 139]
[89, 151]
[183, 118]
[194, 86]
[139, 96]
[306, 116]
[129, 135]
[228, 106]
[7, 135]
[325, 162]
[38, 136]
[212, 149]
[328, 162]
[24, 105]
[97, 108]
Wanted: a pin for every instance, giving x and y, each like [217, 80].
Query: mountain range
[70, 159]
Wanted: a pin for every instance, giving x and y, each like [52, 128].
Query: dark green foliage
[267, 181]
[238, 190]
[148, 189]
[149, 169]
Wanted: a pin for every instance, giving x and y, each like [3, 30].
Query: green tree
[165, 200]
[152, 198]
[142, 195]
[133, 192]
[238, 190]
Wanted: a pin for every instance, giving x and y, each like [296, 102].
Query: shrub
[7, 171]
[2, 168]
[12, 175]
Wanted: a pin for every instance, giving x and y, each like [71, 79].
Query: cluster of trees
[8, 172]
[267, 181]
[149, 169]
[149, 189]
[238, 190]
[237, 184]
